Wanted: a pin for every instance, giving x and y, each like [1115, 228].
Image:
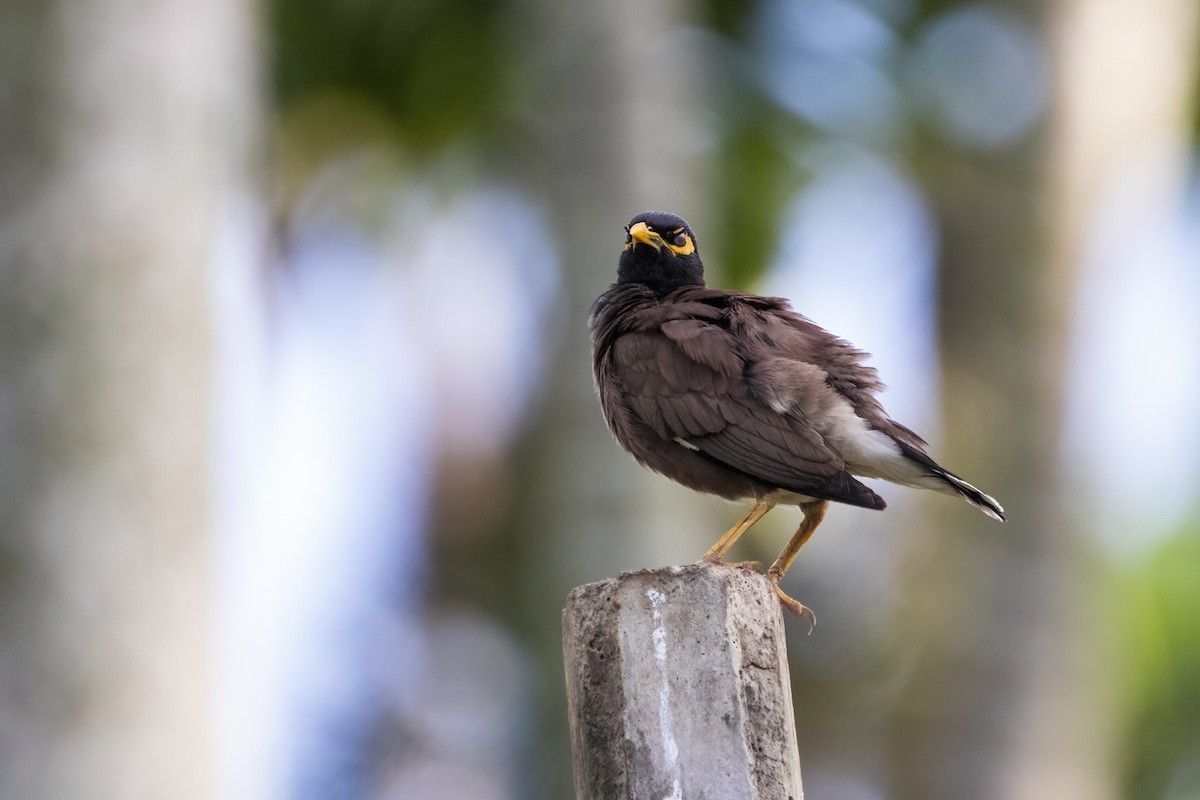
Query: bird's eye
[628, 237]
[680, 239]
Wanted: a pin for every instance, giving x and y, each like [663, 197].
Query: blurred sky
[1135, 371]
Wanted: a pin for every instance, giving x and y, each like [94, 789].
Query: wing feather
[686, 378]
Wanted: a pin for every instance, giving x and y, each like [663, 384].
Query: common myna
[739, 396]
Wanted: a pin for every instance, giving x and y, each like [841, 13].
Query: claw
[794, 607]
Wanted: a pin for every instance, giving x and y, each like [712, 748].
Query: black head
[660, 252]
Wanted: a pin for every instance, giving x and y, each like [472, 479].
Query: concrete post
[678, 688]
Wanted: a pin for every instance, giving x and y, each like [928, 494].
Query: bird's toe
[794, 606]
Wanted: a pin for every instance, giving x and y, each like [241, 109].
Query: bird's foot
[753, 566]
[794, 607]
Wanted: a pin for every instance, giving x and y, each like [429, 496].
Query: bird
[738, 395]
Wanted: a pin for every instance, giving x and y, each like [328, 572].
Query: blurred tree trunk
[1008, 697]
[617, 119]
[123, 125]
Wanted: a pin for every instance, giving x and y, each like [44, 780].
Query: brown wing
[687, 378]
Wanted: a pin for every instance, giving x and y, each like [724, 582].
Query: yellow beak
[641, 233]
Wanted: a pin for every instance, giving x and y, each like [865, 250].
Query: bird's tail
[985, 503]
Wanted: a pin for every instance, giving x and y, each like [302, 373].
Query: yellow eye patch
[680, 242]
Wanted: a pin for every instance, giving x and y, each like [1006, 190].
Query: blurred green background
[299, 455]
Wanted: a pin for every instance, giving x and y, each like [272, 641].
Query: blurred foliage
[424, 76]
[435, 69]
[728, 17]
[756, 172]
[1162, 648]
[756, 179]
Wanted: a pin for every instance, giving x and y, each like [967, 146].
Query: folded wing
[686, 378]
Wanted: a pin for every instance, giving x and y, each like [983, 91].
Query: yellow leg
[716, 553]
[813, 514]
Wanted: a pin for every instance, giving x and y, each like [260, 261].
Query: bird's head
[660, 252]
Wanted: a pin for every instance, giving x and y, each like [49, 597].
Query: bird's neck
[660, 282]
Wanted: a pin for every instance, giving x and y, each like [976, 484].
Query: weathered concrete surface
[677, 684]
